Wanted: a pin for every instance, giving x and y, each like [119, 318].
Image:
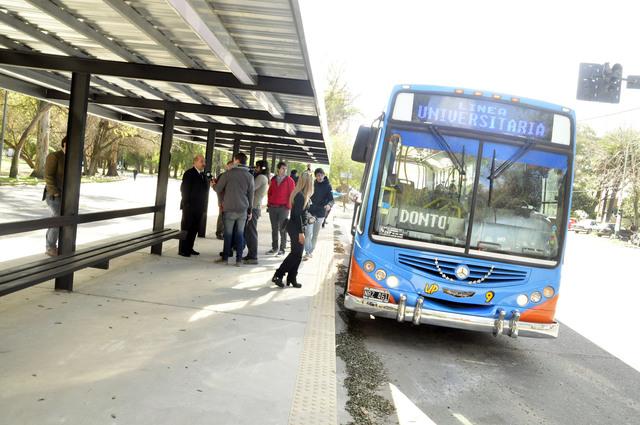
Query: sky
[520, 47]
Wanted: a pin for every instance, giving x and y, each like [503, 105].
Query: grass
[33, 181]
[27, 181]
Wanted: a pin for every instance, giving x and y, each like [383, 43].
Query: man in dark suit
[194, 189]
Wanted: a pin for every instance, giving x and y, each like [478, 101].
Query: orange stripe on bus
[542, 313]
[359, 279]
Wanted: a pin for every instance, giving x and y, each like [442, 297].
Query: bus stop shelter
[230, 75]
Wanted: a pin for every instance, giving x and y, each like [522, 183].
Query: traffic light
[600, 83]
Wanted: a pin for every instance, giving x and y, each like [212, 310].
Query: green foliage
[182, 154]
[341, 163]
[607, 165]
[339, 103]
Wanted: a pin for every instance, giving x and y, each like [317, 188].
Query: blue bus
[463, 219]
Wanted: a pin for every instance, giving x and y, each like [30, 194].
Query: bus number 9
[489, 296]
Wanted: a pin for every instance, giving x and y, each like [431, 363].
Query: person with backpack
[321, 202]
[278, 206]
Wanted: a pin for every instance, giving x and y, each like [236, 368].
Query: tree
[606, 172]
[34, 111]
[182, 154]
[42, 145]
[339, 102]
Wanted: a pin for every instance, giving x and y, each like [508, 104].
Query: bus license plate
[376, 294]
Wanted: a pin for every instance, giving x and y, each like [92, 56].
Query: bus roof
[484, 94]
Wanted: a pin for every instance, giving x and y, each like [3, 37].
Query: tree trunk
[43, 108]
[42, 147]
[93, 167]
[112, 170]
[610, 205]
[636, 212]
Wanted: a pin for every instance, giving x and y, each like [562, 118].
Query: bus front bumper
[402, 312]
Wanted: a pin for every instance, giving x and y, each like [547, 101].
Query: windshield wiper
[497, 172]
[447, 148]
[509, 162]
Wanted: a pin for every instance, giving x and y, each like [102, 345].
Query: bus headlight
[536, 297]
[369, 266]
[548, 291]
[380, 274]
[392, 281]
[522, 300]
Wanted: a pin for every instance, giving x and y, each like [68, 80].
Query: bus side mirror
[363, 146]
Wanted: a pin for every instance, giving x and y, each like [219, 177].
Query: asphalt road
[447, 376]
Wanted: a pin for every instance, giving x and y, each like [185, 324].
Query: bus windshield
[427, 188]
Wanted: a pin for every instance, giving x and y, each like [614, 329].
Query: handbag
[308, 218]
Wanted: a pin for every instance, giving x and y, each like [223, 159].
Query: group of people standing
[296, 209]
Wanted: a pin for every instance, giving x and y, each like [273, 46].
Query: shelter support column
[252, 157]
[273, 162]
[163, 175]
[76, 124]
[208, 157]
[236, 146]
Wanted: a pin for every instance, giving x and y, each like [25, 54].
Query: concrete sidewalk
[172, 340]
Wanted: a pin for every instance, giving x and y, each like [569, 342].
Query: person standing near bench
[194, 189]
[261, 183]
[236, 189]
[321, 202]
[54, 178]
[278, 205]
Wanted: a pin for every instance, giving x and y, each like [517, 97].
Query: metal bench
[98, 256]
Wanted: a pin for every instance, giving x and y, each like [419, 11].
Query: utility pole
[4, 124]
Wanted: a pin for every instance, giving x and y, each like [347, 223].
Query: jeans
[291, 263]
[54, 210]
[277, 215]
[251, 234]
[311, 235]
[234, 221]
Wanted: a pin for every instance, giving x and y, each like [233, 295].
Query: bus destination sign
[482, 115]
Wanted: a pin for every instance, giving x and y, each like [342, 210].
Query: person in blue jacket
[321, 202]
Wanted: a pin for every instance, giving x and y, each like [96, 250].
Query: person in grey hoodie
[235, 187]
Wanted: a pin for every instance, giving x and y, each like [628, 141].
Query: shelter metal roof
[252, 51]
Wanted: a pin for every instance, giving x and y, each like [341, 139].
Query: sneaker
[272, 252]
[280, 253]
[238, 262]
[222, 261]
[306, 257]
[310, 255]
[250, 260]
[52, 252]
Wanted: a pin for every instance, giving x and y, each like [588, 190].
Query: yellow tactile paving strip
[314, 400]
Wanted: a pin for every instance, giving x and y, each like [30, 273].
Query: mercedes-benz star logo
[462, 272]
